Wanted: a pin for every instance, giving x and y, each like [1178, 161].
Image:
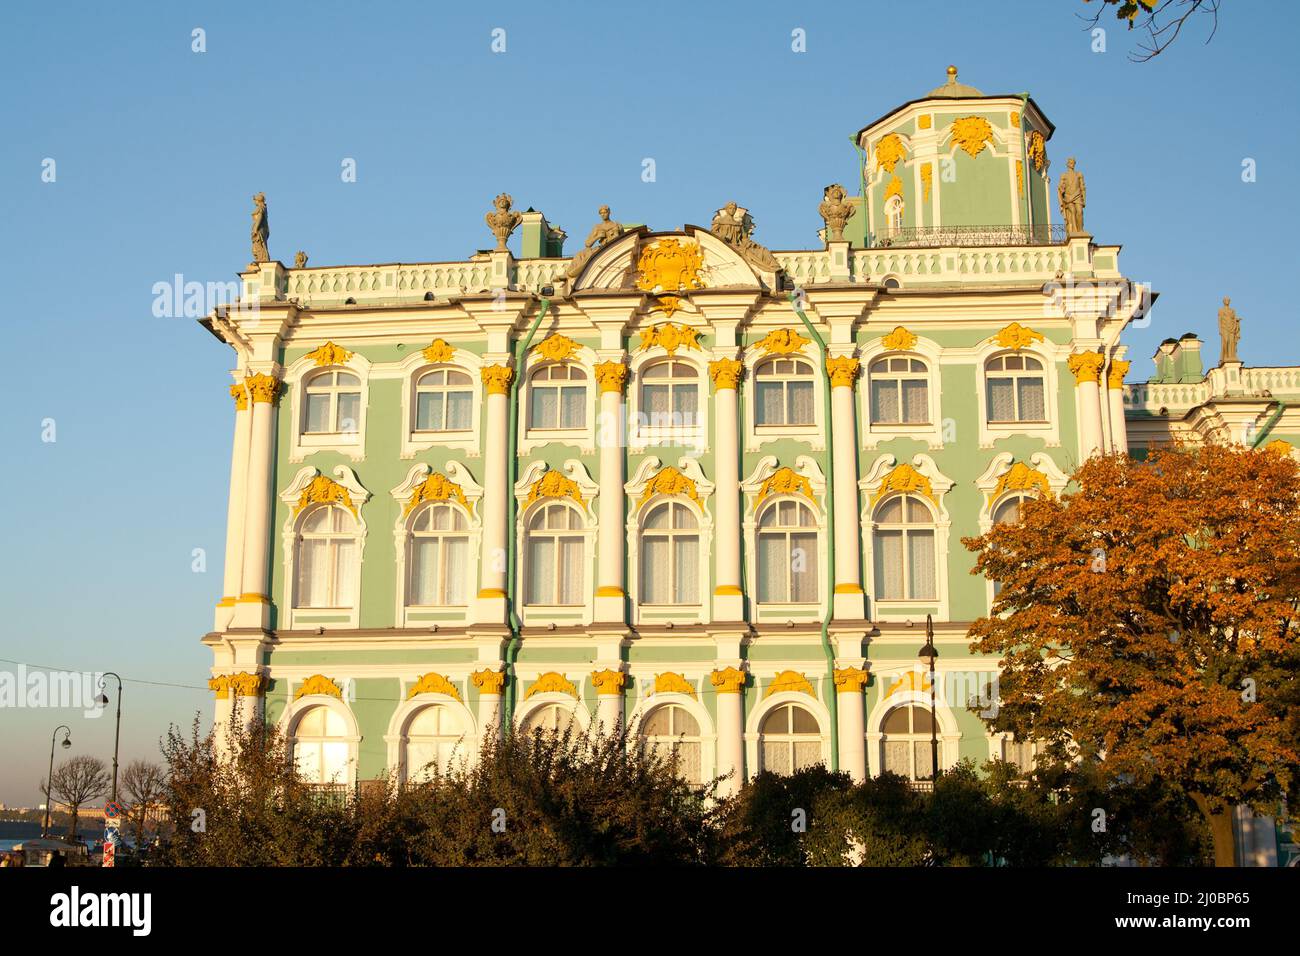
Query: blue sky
[158, 150]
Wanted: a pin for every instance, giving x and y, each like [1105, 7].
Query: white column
[491, 604]
[850, 602]
[489, 683]
[609, 699]
[729, 684]
[728, 598]
[1115, 399]
[1086, 367]
[611, 540]
[849, 682]
[254, 604]
[231, 578]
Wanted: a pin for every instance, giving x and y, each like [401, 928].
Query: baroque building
[677, 480]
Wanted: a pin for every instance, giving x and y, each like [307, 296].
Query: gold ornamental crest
[669, 266]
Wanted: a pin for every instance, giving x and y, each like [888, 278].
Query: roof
[952, 89]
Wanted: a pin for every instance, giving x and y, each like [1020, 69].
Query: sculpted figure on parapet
[602, 233]
[1229, 332]
[502, 220]
[1073, 195]
[733, 226]
[261, 229]
[836, 211]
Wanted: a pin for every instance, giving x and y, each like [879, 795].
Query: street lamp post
[930, 652]
[103, 702]
[49, 780]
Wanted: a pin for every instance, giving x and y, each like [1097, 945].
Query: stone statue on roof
[261, 229]
[1073, 195]
[1229, 332]
[602, 233]
[733, 226]
[836, 211]
[503, 220]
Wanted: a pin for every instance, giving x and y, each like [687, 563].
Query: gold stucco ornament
[786, 481]
[895, 187]
[670, 337]
[1037, 150]
[914, 681]
[554, 484]
[1118, 369]
[1016, 337]
[971, 133]
[725, 373]
[927, 180]
[673, 683]
[489, 682]
[324, 490]
[608, 683]
[890, 151]
[439, 351]
[899, 340]
[789, 681]
[1086, 366]
[842, 371]
[611, 376]
[728, 680]
[263, 388]
[1021, 477]
[433, 683]
[557, 348]
[782, 342]
[850, 680]
[242, 684]
[667, 267]
[437, 487]
[552, 683]
[904, 478]
[318, 684]
[669, 481]
[330, 354]
[240, 394]
[497, 378]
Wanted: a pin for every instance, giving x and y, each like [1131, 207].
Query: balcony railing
[930, 236]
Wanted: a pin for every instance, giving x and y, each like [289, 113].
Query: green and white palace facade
[680, 481]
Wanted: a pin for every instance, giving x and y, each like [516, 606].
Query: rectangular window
[318, 413]
[1002, 401]
[349, 412]
[889, 565]
[654, 575]
[456, 570]
[803, 568]
[916, 407]
[460, 411]
[428, 411]
[570, 571]
[884, 403]
[772, 565]
[770, 404]
[685, 406]
[1032, 408]
[541, 570]
[801, 403]
[896, 757]
[572, 407]
[687, 584]
[920, 562]
[424, 580]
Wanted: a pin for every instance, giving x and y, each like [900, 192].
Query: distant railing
[922, 786]
[1042, 234]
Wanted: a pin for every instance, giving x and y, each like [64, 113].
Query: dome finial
[952, 74]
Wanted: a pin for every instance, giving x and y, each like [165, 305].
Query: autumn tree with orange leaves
[1147, 623]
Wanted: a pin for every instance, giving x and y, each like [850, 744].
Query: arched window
[557, 397]
[333, 403]
[1019, 752]
[893, 216]
[670, 395]
[900, 391]
[554, 556]
[789, 740]
[671, 732]
[904, 550]
[906, 740]
[435, 742]
[438, 557]
[326, 560]
[444, 401]
[320, 746]
[1007, 512]
[548, 719]
[787, 554]
[1015, 389]
[670, 556]
[784, 392]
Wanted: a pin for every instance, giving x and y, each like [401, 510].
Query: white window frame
[756, 436]
[635, 489]
[906, 527]
[297, 708]
[805, 466]
[924, 350]
[949, 731]
[559, 614]
[641, 434]
[1049, 431]
[708, 738]
[301, 443]
[409, 371]
[584, 438]
[753, 748]
[526, 708]
[396, 737]
[987, 483]
[293, 617]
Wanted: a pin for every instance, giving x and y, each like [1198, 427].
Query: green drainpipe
[1268, 426]
[1024, 161]
[862, 179]
[832, 696]
[512, 475]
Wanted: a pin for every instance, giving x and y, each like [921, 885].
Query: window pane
[318, 413]
[688, 580]
[776, 756]
[428, 411]
[574, 400]
[921, 564]
[915, 405]
[884, 402]
[807, 753]
[897, 753]
[889, 565]
[424, 571]
[570, 570]
[344, 578]
[801, 403]
[685, 404]
[803, 568]
[541, 570]
[349, 412]
[803, 721]
[1031, 400]
[310, 571]
[545, 408]
[1001, 400]
[654, 573]
[655, 399]
[769, 404]
[772, 568]
[460, 410]
[924, 754]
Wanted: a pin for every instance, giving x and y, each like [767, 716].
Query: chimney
[1187, 359]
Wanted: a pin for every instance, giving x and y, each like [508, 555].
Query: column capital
[1118, 369]
[728, 680]
[843, 371]
[497, 378]
[1086, 366]
[489, 682]
[725, 373]
[263, 388]
[611, 376]
[850, 680]
[608, 682]
[242, 684]
[239, 392]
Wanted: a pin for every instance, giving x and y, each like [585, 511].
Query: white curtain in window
[1031, 400]
[897, 753]
[915, 406]
[884, 403]
[688, 570]
[807, 753]
[770, 409]
[924, 762]
[803, 572]
[776, 756]
[459, 411]
[318, 413]
[801, 403]
[1002, 405]
[424, 571]
[573, 402]
[344, 576]
[656, 403]
[920, 556]
[570, 571]
[654, 572]
[541, 570]
[428, 413]
[545, 408]
[889, 565]
[349, 411]
[456, 559]
[773, 567]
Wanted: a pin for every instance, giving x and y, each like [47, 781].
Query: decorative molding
[433, 683]
[1021, 477]
[439, 351]
[850, 680]
[551, 683]
[971, 133]
[924, 121]
[324, 490]
[725, 373]
[670, 337]
[1016, 337]
[330, 354]
[554, 484]
[728, 680]
[1086, 366]
[242, 684]
[669, 266]
[1020, 177]
[669, 481]
[609, 683]
[782, 342]
[437, 487]
[785, 481]
[1037, 150]
[489, 682]
[904, 478]
[1015, 117]
[890, 151]
[557, 348]
[895, 188]
[913, 681]
[1118, 369]
[842, 371]
[671, 682]
[240, 394]
[611, 376]
[789, 681]
[318, 684]
[497, 378]
[263, 388]
[899, 340]
[927, 180]
[1278, 446]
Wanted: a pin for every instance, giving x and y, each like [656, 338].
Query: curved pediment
[668, 263]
